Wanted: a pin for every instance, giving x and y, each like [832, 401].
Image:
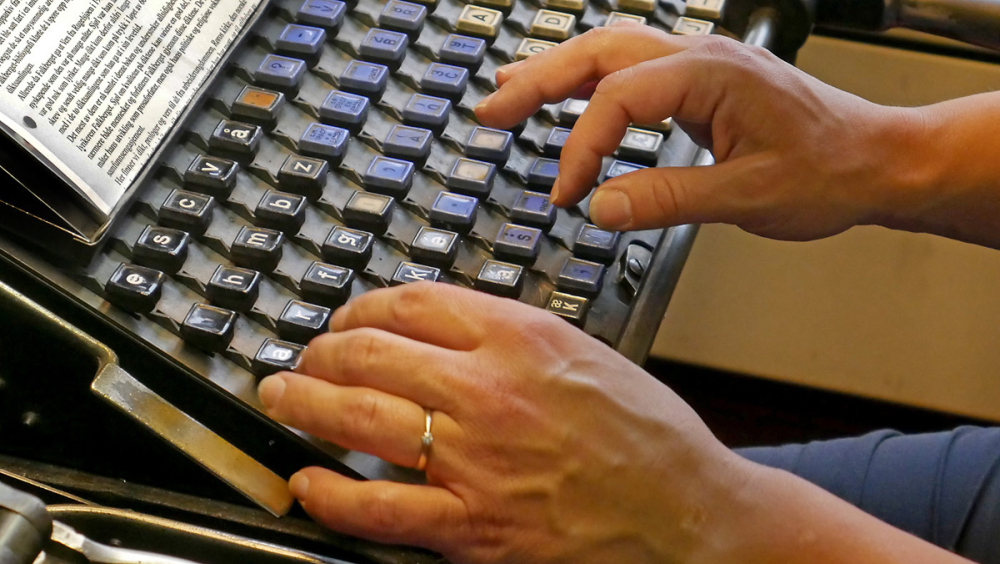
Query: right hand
[797, 159]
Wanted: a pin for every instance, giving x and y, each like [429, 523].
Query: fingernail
[554, 193]
[270, 390]
[299, 485]
[611, 209]
[484, 102]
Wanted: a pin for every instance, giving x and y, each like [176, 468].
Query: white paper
[95, 85]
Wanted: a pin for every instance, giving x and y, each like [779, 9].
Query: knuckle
[668, 195]
[619, 80]
[360, 418]
[410, 303]
[359, 351]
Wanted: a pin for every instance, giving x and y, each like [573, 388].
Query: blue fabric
[941, 487]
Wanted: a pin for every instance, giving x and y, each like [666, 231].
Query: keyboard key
[504, 6]
[552, 25]
[187, 211]
[135, 288]
[445, 80]
[304, 176]
[300, 321]
[517, 243]
[704, 9]
[663, 127]
[328, 14]
[161, 248]
[301, 41]
[281, 73]
[535, 210]
[258, 248]
[258, 105]
[234, 288]
[372, 211]
[596, 244]
[327, 284]
[571, 111]
[529, 47]
[217, 176]
[427, 111]
[382, 46]
[237, 138]
[409, 273]
[478, 21]
[555, 141]
[325, 142]
[454, 211]
[462, 50]
[345, 110]
[348, 247]
[619, 168]
[275, 356]
[209, 328]
[367, 79]
[388, 176]
[403, 16]
[281, 211]
[500, 278]
[573, 6]
[637, 6]
[408, 142]
[641, 145]
[491, 145]
[434, 246]
[616, 17]
[473, 178]
[691, 26]
[581, 276]
[569, 307]
[543, 173]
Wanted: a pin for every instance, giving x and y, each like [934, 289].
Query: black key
[234, 288]
[328, 14]
[161, 248]
[405, 142]
[346, 110]
[383, 46]
[391, 177]
[427, 111]
[409, 273]
[434, 246]
[581, 276]
[569, 307]
[403, 16]
[301, 41]
[555, 141]
[280, 73]
[187, 211]
[237, 138]
[135, 288]
[303, 175]
[500, 278]
[257, 248]
[619, 168]
[275, 356]
[491, 145]
[534, 209]
[454, 211]
[367, 79]
[325, 142]
[209, 328]
[445, 80]
[471, 177]
[281, 211]
[517, 243]
[300, 322]
[543, 173]
[596, 244]
[371, 211]
[258, 105]
[462, 50]
[348, 247]
[327, 284]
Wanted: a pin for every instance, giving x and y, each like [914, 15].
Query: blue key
[472, 177]
[596, 244]
[619, 168]
[581, 276]
[517, 243]
[491, 145]
[383, 46]
[328, 14]
[534, 209]
[324, 141]
[282, 73]
[403, 16]
[409, 273]
[408, 142]
[445, 80]
[301, 40]
[454, 211]
[427, 111]
[555, 141]
[543, 173]
[391, 177]
[368, 79]
[462, 50]
[346, 110]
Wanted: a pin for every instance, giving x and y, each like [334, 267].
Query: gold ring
[426, 440]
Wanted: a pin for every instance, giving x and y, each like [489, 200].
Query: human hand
[548, 446]
[797, 159]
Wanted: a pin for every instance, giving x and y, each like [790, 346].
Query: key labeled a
[479, 21]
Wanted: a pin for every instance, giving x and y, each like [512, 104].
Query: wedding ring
[426, 440]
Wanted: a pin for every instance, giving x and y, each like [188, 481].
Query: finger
[387, 512]
[377, 359]
[439, 314]
[552, 75]
[360, 419]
